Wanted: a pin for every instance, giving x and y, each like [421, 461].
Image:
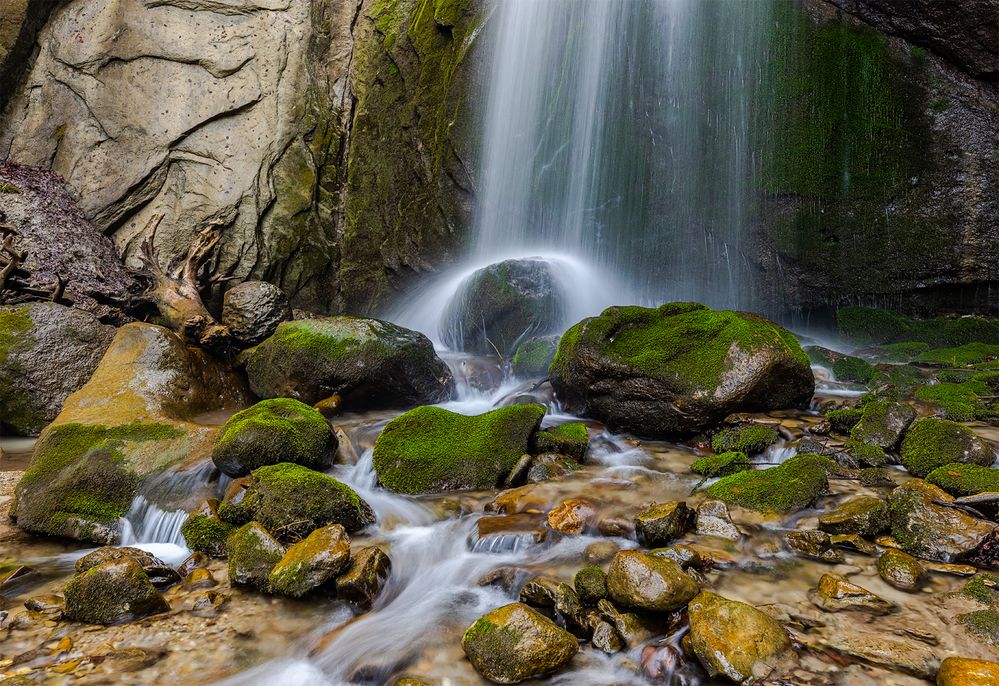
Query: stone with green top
[725, 464]
[883, 423]
[751, 439]
[533, 356]
[252, 553]
[965, 479]
[788, 487]
[863, 515]
[650, 583]
[112, 592]
[660, 524]
[570, 439]
[312, 562]
[933, 442]
[924, 525]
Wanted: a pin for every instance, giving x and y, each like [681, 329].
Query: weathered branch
[14, 284]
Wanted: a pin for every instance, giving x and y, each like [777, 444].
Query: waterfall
[620, 132]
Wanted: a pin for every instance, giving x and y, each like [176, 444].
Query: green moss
[590, 584]
[853, 369]
[16, 407]
[206, 534]
[932, 442]
[788, 487]
[842, 421]
[958, 402]
[750, 439]
[982, 624]
[6, 187]
[904, 351]
[534, 355]
[720, 465]
[866, 454]
[961, 356]
[875, 477]
[871, 325]
[570, 439]
[960, 479]
[983, 588]
[430, 449]
[252, 553]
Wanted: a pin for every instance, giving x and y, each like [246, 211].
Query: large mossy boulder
[429, 449]
[501, 306]
[788, 487]
[112, 592]
[514, 643]
[931, 443]
[133, 419]
[47, 352]
[273, 431]
[293, 501]
[369, 363]
[734, 639]
[678, 369]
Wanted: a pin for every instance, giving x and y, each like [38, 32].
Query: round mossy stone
[724, 464]
[788, 487]
[932, 443]
[112, 592]
[751, 439]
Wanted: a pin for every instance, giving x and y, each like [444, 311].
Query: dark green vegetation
[569, 439]
[961, 479]
[913, 337]
[750, 439]
[932, 443]
[790, 486]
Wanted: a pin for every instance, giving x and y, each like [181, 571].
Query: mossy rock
[252, 554]
[866, 454]
[677, 369]
[363, 580]
[204, 531]
[533, 356]
[660, 524]
[932, 443]
[900, 570]
[751, 439]
[590, 584]
[863, 515]
[724, 464]
[571, 440]
[983, 588]
[843, 421]
[883, 423]
[273, 431]
[112, 592]
[960, 356]
[868, 325]
[649, 583]
[292, 501]
[369, 363]
[311, 563]
[961, 402]
[906, 351]
[924, 526]
[854, 369]
[502, 305]
[430, 450]
[965, 479]
[788, 487]
[982, 624]
[159, 573]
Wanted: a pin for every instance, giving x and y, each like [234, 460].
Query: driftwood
[15, 286]
[175, 290]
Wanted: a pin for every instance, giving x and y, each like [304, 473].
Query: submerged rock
[502, 305]
[252, 552]
[660, 524]
[362, 582]
[572, 517]
[293, 501]
[312, 562]
[982, 624]
[735, 639]
[896, 654]
[273, 431]
[963, 671]
[646, 582]
[713, 519]
[932, 443]
[815, 544]
[790, 486]
[252, 310]
[367, 362]
[677, 369]
[569, 439]
[430, 449]
[864, 515]
[112, 592]
[533, 356]
[883, 423]
[835, 593]
[514, 643]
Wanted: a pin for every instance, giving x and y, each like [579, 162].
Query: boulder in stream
[864, 515]
[963, 671]
[252, 553]
[204, 531]
[790, 486]
[534, 355]
[112, 592]
[363, 580]
[661, 523]
[883, 423]
[159, 572]
[646, 582]
[311, 562]
[369, 363]
[677, 369]
[931, 442]
[900, 570]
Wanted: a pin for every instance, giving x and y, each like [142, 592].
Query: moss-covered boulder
[293, 501]
[842, 421]
[311, 562]
[733, 639]
[47, 352]
[933, 442]
[788, 487]
[369, 363]
[661, 523]
[883, 423]
[533, 356]
[854, 369]
[868, 325]
[751, 439]
[159, 573]
[982, 624]
[513, 643]
[863, 515]
[252, 553]
[965, 479]
[677, 369]
[429, 449]
[930, 530]
[569, 439]
[133, 419]
[363, 580]
[204, 531]
[640, 581]
[724, 464]
[272, 431]
[590, 584]
[112, 592]
[866, 454]
[502, 305]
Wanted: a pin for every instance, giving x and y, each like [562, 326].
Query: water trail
[145, 522]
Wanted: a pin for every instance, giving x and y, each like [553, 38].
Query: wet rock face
[960, 671]
[677, 369]
[159, 572]
[369, 363]
[502, 305]
[112, 592]
[363, 580]
[252, 311]
[883, 424]
[47, 352]
[252, 552]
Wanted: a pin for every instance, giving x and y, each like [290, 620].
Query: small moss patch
[965, 479]
[842, 421]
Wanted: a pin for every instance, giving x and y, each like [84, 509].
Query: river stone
[112, 592]
[311, 562]
[684, 555]
[570, 439]
[899, 655]
[430, 449]
[863, 515]
[605, 638]
[933, 442]
[514, 643]
[883, 423]
[252, 310]
[629, 627]
[363, 580]
[725, 464]
[590, 584]
[293, 501]
[502, 305]
[677, 369]
[660, 524]
[252, 552]
[572, 517]
[713, 519]
[750, 439]
[369, 363]
[199, 578]
[47, 352]
[159, 572]
[204, 531]
[734, 639]
[539, 591]
[815, 544]
[646, 582]
[963, 671]
[835, 593]
[935, 532]
[132, 421]
[272, 431]
[900, 570]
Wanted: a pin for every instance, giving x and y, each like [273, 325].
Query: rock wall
[304, 111]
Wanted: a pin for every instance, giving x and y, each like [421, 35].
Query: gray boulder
[252, 311]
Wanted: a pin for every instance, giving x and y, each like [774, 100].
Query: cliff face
[269, 115]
